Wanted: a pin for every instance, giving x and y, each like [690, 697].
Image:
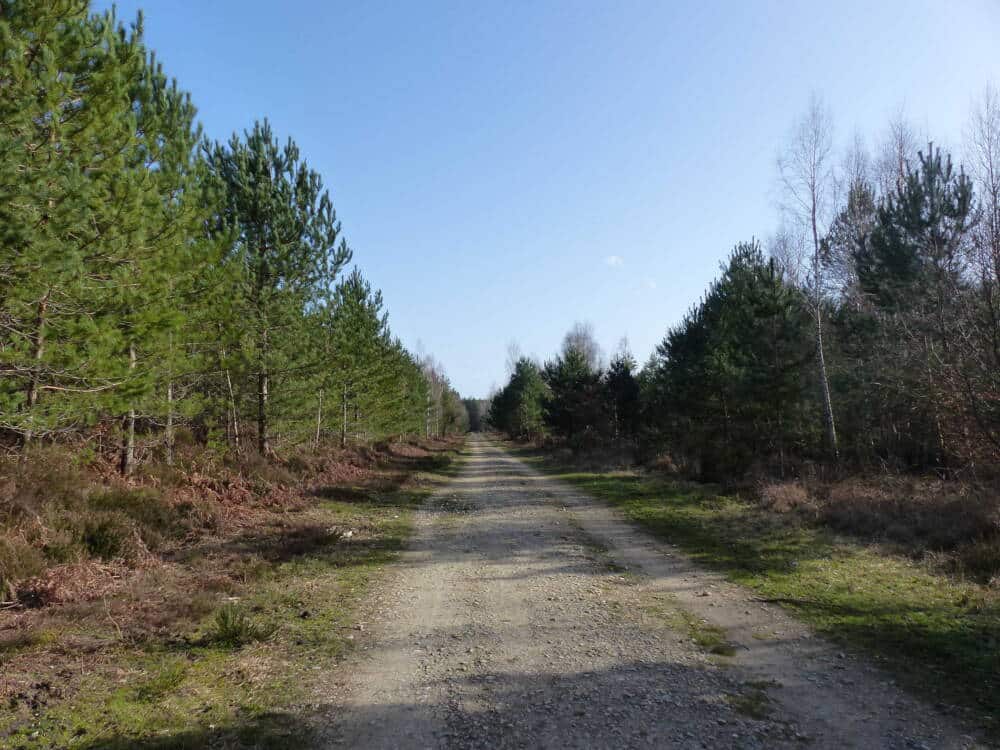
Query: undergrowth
[215, 634]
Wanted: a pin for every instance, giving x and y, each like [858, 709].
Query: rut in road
[525, 614]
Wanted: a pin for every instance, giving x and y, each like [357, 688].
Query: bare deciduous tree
[806, 173]
[581, 337]
[983, 152]
[856, 166]
[785, 247]
[981, 371]
[898, 149]
[514, 353]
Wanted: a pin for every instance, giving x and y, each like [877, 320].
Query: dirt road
[527, 615]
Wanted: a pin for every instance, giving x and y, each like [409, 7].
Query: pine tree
[849, 238]
[912, 272]
[356, 329]
[621, 395]
[288, 249]
[74, 187]
[729, 378]
[914, 256]
[518, 409]
[573, 404]
[159, 268]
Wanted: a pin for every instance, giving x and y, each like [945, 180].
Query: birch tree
[806, 174]
[981, 373]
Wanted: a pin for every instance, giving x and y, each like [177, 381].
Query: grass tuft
[233, 627]
[167, 677]
[709, 638]
[754, 701]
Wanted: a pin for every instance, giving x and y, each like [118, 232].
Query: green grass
[246, 676]
[709, 638]
[753, 701]
[939, 635]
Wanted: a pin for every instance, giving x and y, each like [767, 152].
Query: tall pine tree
[287, 250]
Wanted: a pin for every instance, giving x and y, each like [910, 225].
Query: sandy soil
[525, 614]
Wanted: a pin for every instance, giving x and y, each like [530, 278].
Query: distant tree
[896, 153]
[517, 409]
[621, 394]
[573, 406]
[437, 387]
[454, 414]
[478, 411]
[856, 168]
[514, 355]
[581, 339]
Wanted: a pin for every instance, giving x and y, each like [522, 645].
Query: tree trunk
[263, 440]
[169, 433]
[31, 396]
[319, 418]
[343, 424]
[824, 381]
[128, 443]
[232, 407]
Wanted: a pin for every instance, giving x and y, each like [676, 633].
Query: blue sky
[503, 169]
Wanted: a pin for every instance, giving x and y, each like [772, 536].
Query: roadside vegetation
[196, 607]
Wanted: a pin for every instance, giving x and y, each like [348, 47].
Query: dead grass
[785, 496]
[61, 513]
[954, 525]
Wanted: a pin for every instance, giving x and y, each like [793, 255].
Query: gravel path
[525, 615]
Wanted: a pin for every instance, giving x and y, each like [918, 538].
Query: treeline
[572, 396]
[152, 280]
[477, 410]
[867, 336]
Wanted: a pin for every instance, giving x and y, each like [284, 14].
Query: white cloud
[650, 284]
[615, 261]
